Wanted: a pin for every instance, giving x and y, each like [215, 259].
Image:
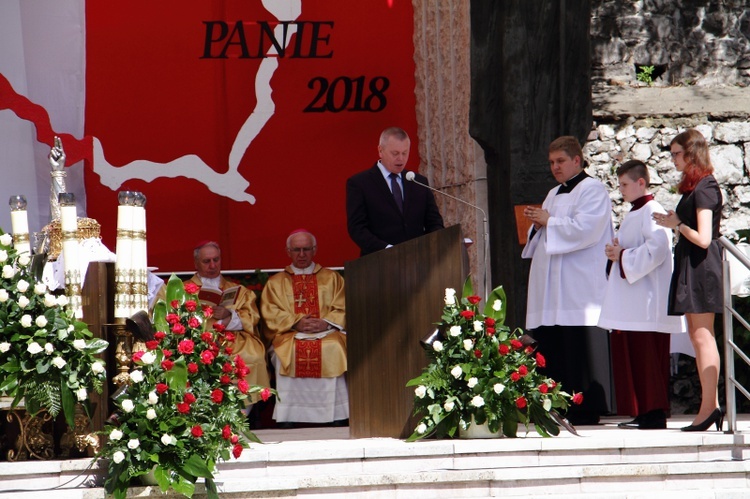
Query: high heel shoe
[716, 417]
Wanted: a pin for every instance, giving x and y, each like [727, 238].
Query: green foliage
[481, 372]
[645, 74]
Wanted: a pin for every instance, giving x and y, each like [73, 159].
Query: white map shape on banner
[229, 184]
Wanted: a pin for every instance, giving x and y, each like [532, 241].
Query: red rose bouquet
[182, 409]
[482, 372]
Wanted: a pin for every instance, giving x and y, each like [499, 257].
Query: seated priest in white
[303, 311]
[234, 307]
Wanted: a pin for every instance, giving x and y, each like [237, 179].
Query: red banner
[241, 124]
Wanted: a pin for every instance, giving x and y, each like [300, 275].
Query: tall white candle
[69, 228]
[19, 222]
[123, 247]
[140, 280]
[124, 255]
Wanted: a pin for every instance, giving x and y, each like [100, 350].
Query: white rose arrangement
[47, 357]
[481, 372]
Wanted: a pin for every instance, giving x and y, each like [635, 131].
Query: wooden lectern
[393, 299]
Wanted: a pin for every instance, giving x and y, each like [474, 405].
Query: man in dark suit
[382, 207]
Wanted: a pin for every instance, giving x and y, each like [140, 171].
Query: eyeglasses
[302, 250]
[676, 153]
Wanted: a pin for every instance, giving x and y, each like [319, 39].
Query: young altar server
[635, 305]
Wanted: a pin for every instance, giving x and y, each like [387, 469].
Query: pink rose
[191, 288]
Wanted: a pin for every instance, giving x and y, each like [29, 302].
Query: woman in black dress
[696, 289]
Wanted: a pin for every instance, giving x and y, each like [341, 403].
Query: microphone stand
[486, 235]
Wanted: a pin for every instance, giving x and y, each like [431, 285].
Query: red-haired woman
[696, 289]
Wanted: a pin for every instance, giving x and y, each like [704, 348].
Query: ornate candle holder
[123, 351]
[19, 224]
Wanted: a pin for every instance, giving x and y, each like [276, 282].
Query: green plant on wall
[645, 74]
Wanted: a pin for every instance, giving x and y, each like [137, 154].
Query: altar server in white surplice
[567, 280]
[635, 305]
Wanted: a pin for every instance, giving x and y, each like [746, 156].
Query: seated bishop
[234, 307]
[303, 311]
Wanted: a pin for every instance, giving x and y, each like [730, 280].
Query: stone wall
[690, 42]
[648, 140]
[701, 51]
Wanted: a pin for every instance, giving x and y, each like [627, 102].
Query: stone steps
[605, 462]
[622, 464]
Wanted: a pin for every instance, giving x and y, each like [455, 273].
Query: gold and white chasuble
[288, 297]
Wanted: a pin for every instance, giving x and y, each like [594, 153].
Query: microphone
[411, 177]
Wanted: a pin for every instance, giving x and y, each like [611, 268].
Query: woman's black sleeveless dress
[696, 285]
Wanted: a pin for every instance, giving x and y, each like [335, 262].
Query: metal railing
[730, 347]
